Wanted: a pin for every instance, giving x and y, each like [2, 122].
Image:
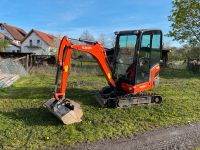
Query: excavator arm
[64, 57]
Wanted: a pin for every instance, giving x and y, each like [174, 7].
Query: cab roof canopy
[135, 31]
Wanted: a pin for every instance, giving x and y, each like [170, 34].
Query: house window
[38, 41]
[1, 27]
[31, 42]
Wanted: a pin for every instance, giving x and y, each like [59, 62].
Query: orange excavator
[132, 68]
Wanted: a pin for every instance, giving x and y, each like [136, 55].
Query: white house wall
[43, 47]
[12, 48]
[6, 33]
[17, 42]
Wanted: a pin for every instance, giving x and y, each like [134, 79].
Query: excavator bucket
[67, 111]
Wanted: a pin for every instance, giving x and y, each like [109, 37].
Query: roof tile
[46, 37]
[17, 33]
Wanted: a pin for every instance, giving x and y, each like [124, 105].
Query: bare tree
[56, 41]
[102, 39]
[112, 41]
[86, 35]
[55, 45]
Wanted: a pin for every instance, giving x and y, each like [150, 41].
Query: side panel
[154, 76]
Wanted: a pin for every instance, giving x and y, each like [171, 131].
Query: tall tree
[86, 35]
[56, 42]
[102, 39]
[55, 45]
[113, 41]
[3, 44]
[185, 20]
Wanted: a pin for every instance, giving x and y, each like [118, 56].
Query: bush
[184, 53]
[194, 52]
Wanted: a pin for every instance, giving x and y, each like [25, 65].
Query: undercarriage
[109, 97]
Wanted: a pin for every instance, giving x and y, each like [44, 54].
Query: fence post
[31, 60]
[27, 61]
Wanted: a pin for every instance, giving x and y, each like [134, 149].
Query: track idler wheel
[157, 99]
[112, 103]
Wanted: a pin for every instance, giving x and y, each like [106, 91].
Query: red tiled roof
[17, 33]
[47, 38]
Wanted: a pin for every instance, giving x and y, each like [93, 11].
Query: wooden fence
[28, 60]
[24, 61]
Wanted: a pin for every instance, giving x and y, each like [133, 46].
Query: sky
[72, 17]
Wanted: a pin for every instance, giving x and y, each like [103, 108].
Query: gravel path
[183, 137]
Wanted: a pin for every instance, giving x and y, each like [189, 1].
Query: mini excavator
[132, 68]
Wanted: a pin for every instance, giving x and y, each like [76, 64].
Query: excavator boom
[64, 57]
[65, 109]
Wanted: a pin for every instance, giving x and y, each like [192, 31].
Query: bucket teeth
[67, 110]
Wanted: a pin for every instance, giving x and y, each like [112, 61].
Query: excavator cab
[135, 64]
[135, 54]
[134, 69]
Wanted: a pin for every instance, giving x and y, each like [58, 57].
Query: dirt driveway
[183, 137]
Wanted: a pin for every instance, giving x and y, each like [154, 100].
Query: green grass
[198, 148]
[25, 124]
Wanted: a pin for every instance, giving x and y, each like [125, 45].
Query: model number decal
[143, 86]
[86, 47]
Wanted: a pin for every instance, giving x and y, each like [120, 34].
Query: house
[38, 42]
[12, 47]
[14, 35]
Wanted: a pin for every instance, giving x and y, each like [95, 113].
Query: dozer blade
[67, 111]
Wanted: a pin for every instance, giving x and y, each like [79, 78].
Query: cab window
[126, 54]
[156, 49]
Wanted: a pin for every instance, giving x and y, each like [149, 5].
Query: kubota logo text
[86, 47]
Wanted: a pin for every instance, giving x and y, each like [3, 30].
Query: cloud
[76, 12]
[123, 19]
[69, 16]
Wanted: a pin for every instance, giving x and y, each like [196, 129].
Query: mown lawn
[25, 124]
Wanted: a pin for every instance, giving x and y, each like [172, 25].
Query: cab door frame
[139, 64]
